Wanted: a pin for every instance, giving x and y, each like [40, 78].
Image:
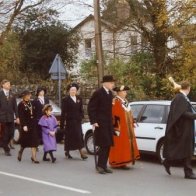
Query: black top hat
[121, 88]
[25, 92]
[72, 85]
[39, 89]
[108, 78]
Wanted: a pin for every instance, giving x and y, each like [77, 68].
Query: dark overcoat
[100, 111]
[71, 121]
[8, 107]
[27, 138]
[179, 136]
[39, 106]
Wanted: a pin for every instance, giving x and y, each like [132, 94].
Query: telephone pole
[98, 41]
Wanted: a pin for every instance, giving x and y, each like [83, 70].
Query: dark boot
[52, 157]
[20, 154]
[45, 157]
[68, 155]
[166, 164]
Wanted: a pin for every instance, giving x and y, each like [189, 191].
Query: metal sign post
[58, 72]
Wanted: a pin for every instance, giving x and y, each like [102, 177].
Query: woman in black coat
[28, 133]
[71, 119]
[39, 102]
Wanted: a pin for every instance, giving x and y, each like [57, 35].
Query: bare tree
[10, 10]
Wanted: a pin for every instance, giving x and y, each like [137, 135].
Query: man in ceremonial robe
[124, 150]
[179, 136]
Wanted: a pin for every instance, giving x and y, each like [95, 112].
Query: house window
[134, 43]
[88, 48]
[144, 43]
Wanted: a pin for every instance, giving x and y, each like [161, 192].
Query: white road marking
[45, 183]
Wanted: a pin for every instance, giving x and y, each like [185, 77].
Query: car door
[150, 127]
[194, 105]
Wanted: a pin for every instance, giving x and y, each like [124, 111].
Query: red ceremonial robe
[125, 148]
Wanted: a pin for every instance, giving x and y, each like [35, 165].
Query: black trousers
[187, 166]
[103, 156]
[186, 163]
[7, 135]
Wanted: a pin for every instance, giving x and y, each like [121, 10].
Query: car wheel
[160, 150]
[89, 144]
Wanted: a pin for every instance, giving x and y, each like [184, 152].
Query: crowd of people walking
[112, 124]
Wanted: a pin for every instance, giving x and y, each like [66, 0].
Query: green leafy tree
[161, 23]
[42, 39]
[10, 57]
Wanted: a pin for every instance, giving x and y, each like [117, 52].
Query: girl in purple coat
[49, 126]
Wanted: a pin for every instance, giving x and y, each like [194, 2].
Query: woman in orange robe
[125, 148]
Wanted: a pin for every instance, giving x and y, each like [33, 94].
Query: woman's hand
[25, 128]
[52, 133]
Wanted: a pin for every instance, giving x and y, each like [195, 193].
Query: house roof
[90, 17]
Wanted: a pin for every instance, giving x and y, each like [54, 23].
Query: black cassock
[72, 115]
[26, 115]
[179, 136]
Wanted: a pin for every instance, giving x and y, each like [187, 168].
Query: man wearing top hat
[100, 115]
[8, 108]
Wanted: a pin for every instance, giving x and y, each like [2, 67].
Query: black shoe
[107, 170]
[19, 155]
[83, 156]
[167, 167]
[67, 155]
[125, 167]
[34, 161]
[46, 159]
[192, 176]
[53, 160]
[100, 170]
[8, 154]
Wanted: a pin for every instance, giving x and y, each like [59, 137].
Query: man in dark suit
[179, 136]
[100, 114]
[8, 108]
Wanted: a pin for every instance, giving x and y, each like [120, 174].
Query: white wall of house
[121, 43]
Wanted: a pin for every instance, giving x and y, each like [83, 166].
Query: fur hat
[39, 89]
[121, 88]
[25, 92]
[72, 85]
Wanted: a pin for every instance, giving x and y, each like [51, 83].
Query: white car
[150, 118]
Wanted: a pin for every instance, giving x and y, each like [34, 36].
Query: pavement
[78, 177]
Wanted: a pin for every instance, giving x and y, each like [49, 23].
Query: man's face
[6, 86]
[122, 94]
[188, 90]
[109, 85]
[41, 93]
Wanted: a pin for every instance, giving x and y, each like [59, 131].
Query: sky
[72, 14]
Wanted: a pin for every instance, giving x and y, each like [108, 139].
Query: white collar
[107, 91]
[73, 98]
[184, 93]
[6, 92]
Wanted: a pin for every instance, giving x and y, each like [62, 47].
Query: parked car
[150, 118]
[57, 113]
